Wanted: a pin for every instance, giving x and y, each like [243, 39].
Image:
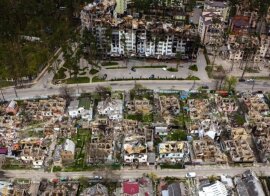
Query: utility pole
[15, 92]
[3, 95]
[253, 84]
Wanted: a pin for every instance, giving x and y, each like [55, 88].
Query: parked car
[205, 87]
[241, 80]
[250, 80]
[152, 76]
[98, 177]
[133, 69]
[191, 175]
[105, 76]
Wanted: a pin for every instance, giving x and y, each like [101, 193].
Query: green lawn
[172, 69]
[110, 63]
[4, 83]
[81, 140]
[97, 79]
[150, 66]
[193, 67]
[192, 78]
[171, 166]
[141, 117]
[84, 102]
[115, 67]
[60, 74]
[78, 80]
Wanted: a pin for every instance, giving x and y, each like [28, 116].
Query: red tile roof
[131, 188]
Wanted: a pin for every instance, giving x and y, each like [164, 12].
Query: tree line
[53, 21]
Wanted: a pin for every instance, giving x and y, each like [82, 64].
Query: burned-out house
[207, 152]
[169, 107]
[58, 188]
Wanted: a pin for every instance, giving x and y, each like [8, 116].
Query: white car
[164, 68]
[250, 80]
[98, 177]
[191, 175]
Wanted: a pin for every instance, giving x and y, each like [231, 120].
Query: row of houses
[201, 128]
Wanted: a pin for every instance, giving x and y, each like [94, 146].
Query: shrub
[172, 69]
[206, 56]
[60, 74]
[57, 168]
[77, 80]
[178, 135]
[192, 78]
[93, 71]
[110, 63]
[209, 69]
[193, 67]
[97, 79]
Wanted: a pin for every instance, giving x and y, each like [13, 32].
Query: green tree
[124, 44]
[89, 47]
[178, 59]
[230, 83]
[178, 135]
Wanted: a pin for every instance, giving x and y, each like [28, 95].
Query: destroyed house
[206, 151]
[239, 151]
[135, 149]
[173, 151]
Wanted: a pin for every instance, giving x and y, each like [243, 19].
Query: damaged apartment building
[128, 36]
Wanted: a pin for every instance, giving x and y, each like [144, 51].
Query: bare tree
[250, 50]
[103, 91]
[66, 92]
[108, 175]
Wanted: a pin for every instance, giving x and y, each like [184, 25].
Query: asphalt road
[125, 174]
[33, 92]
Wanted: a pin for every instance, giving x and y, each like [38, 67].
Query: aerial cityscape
[135, 98]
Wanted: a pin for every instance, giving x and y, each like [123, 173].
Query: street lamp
[15, 92]
[253, 84]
